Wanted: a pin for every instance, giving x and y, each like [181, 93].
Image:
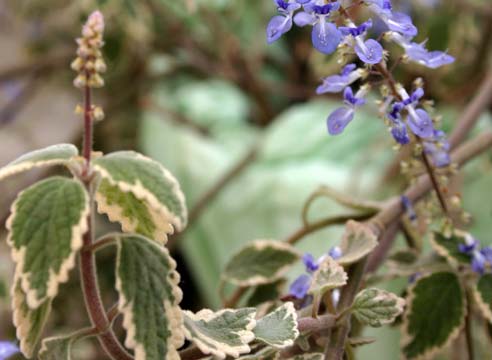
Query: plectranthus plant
[268, 312]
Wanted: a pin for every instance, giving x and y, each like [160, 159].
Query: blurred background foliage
[193, 84]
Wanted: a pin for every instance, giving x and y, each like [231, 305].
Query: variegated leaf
[148, 181]
[330, 275]
[278, 328]
[224, 333]
[376, 307]
[266, 353]
[147, 284]
[59, 154]
[483, 295]
[29, 323]
[358, 241]
[46, 225]
[260, 262]
[57, 348]
[436, 309]
[134, 215]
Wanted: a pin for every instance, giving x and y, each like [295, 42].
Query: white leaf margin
[246, 336]
[174, 313]
[55, 279]
[24, 163]
[290, 312]
[144, 194]
[382, 295]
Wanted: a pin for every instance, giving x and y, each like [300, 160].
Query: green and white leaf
[311, 356]
[46, 226]
[224, 333]
[260, 262]
[358, 241]
[266, 353]
[330, 275]
[483, 295]
[448, 247]
[147, 284]
[57, 348]
[29, 323]
[278, 328]
[149, 181]
[60, 154]
[436, 310]
[134, 215]
[377, 307]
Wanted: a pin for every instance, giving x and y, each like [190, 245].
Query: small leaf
[147, 284]
[46, 225]
[483, 295]
[266, 292]
[261, 262]
[278, 328]
[330, 275]
[29, 323]
[56, 348]
[435, 314]
[376, 307]
[449, 248]
[59, 154]
[358, 241]
[134, 214]
[224, 333]
[147, 180]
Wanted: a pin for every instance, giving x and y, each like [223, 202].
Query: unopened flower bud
[77, 64]
[79, 110]
[98, 113]
[95, 81]
[80, 81]
[100, 65]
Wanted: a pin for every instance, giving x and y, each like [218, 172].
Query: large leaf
[329, 275]
[358, 241]
[261, 262]
[448, 247]
[376, 307]
[278, 328]
[483, 295]
[147, 284]
[435, 314]
[45, 227]
[224, 333]
[29, 323]
[134, 214]
[59, 154]
[147, 180]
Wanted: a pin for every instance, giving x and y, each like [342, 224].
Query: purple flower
[341, 117]
[309, 262]
[438, 149]
[399, 131]
[325, 36]
[369, 51]
[280, 24]
[7, 349]
[420, 122]
[407, 206]
[336, 83]
[480, 258]
[300, 286]
[395, 21]
[335, 252]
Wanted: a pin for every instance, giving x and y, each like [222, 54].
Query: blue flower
[7, 349]
[407, 206]
[438, 149]
[480, 258]
[369, 51]
[301, 284]
[341, 117]
[281, 24]
[395, 21]
[419, 54]
[336, 83]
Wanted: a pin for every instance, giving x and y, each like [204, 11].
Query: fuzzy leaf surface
[59, 154]
[377, 307]
[358, 241]
[260, 262]
[435, 314]
[278, 328]
[134, 215]
[46, 225]
[148, 181]
[330, 275]
[224, 333]
[483, 295]
[147, 284]
[29, 323]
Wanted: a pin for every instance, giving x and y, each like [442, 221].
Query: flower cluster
[299, 288]
[480, 257]
[406, 118]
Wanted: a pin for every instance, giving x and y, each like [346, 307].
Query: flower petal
[339, 119]
[370, 52]
[325, 37]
